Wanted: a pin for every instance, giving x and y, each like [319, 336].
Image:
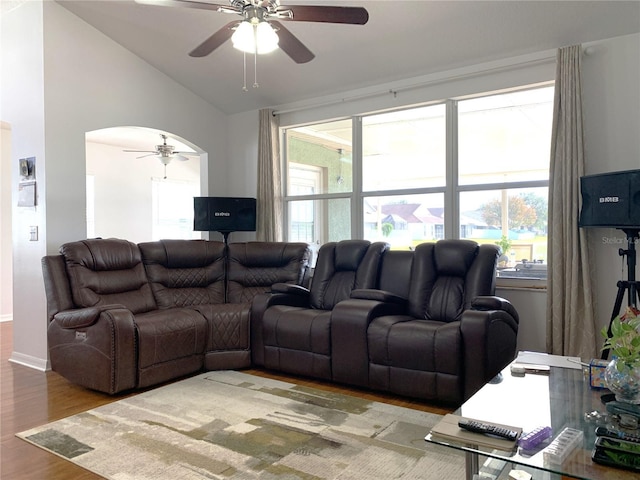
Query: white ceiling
[402, 39]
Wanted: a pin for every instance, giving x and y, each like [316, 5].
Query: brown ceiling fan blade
[290, 44]
[187, 4]
[318, 13]
[214, 41]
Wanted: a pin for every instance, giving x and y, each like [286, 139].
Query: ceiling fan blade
[214, 41]
[189, 4]
[148, 155]
[140, 151]
[327, 14]
[290, 44]
[176, 152]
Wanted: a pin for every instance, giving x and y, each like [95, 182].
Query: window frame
[451, 190]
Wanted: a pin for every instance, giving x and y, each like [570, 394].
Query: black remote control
[607, 432]
[488, 429]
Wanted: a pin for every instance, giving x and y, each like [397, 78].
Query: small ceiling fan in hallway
[165, 153]
[261, 29]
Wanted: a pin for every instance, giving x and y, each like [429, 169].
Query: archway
[138, 195]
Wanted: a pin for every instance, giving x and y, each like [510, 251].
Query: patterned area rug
[231, 425]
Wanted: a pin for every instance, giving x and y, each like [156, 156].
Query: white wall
[611, 100]
[6, 249]
[23, 108]
[55, 88]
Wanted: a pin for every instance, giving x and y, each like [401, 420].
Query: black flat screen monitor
[224, 214]
[611, 200]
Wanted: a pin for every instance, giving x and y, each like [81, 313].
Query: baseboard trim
[8, 317]
[30, 361]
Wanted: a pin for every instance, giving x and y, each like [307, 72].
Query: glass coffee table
[562, 398]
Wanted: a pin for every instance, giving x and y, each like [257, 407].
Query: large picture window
[475, 168]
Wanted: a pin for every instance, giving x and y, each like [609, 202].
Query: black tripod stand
[630, 286]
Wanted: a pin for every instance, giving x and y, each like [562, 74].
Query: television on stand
[224, 215]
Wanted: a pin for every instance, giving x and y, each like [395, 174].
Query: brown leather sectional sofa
[124, 316]
[422, 323]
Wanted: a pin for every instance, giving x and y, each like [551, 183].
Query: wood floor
[29, 398]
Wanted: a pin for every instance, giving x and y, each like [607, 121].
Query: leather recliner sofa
[292, 327]
[430, 328]
[124, 316]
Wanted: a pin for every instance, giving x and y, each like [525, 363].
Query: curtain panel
[269, 190]
[571, 325]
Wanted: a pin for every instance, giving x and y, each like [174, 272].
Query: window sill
[508, 283]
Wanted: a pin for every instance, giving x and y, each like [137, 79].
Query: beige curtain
[269, 191]
[571, 326]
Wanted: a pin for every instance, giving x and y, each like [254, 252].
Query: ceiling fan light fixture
[255, 37]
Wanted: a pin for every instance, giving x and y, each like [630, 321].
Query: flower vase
[623, 381]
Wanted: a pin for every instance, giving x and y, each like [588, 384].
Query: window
[172, 209]
[472, 168]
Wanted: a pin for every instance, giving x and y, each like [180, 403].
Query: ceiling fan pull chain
[244, 72]
[255, 56]
[255, 70]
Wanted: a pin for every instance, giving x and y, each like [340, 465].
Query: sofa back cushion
[395, 272]
[255, 266]
[342, 267]
[107, 271]
[448, 275]
[185, 272]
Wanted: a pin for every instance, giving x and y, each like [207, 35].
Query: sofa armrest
[350, 321]
[281, 294]
[95, 347]
[290, 288]
[82, 317]
[377, 295]
[489, 340]
[495, 303]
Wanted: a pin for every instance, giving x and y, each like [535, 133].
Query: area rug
[231, 425]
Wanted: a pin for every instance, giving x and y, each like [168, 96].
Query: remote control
[607, 432]
[487, 429]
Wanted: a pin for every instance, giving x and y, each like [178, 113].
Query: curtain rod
[547, 57]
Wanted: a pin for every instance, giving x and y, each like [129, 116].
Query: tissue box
[596, 373]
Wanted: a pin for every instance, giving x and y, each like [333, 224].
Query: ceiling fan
[260, 29]
[165, 153]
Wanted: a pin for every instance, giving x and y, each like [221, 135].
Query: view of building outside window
[498, 177]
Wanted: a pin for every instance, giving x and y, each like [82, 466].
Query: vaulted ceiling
[402, 39]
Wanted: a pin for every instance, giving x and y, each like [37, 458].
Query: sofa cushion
[255, 266]
[298, 340]
[227, 326]
[185, 272]
[342, 267]
[107, 271]
[439, 279]
[168, 335]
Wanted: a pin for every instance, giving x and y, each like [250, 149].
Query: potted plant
[623, 341]
[505, 244]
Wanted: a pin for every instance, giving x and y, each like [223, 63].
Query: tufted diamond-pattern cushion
[255, 266]
[185, 272]
[228, 326]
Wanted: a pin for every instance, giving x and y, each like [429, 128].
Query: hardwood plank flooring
[29, 398]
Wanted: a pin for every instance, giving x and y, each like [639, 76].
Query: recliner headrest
[453, 258]
[349, 254]
[102, 254]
